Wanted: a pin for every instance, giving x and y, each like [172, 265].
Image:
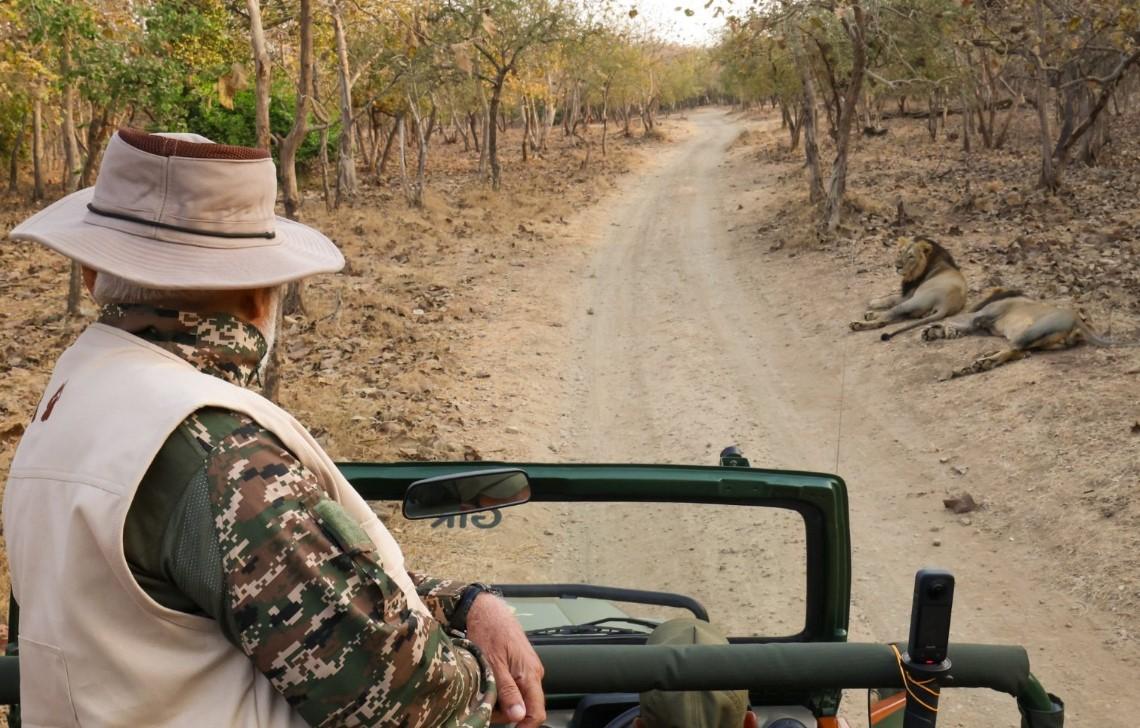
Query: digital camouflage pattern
[316, 638]
[217, 344]
[301, 590]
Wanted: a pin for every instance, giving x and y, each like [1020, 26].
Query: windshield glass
[745, 564]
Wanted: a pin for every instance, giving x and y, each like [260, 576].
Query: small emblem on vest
[51, 403]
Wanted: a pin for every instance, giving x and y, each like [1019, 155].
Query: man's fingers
[510, 702]
[531, 688]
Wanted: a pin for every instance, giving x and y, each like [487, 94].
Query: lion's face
[912, 259]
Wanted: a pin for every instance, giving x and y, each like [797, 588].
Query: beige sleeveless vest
[95, 650]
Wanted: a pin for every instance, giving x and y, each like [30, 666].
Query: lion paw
[963, 372]
[859, 326]
[984, 364]
[931, 333]
[870, 316]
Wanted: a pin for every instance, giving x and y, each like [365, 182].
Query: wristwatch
[466, 599]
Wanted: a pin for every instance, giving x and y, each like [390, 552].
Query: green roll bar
[582, 669]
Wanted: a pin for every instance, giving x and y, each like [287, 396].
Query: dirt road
[665, 336]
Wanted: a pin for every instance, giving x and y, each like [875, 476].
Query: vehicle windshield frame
[819, 498]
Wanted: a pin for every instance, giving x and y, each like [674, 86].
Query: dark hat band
[177, 228]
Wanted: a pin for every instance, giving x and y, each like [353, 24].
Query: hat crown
[176, 211]
[223, 196]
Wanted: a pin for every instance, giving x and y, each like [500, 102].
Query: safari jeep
[765, 554]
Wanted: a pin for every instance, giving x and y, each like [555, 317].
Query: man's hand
[518, 672]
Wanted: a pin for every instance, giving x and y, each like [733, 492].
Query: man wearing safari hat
[693, 709]
[183, 552]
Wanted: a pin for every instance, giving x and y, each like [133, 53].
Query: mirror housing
[469, 492]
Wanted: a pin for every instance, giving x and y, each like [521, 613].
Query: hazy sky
[700, 29]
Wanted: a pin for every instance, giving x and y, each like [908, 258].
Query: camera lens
[937, 589]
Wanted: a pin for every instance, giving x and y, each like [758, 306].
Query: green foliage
[237, 125]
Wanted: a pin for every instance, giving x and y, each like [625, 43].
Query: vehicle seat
[600, 709]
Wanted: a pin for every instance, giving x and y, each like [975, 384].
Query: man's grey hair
[110, 288]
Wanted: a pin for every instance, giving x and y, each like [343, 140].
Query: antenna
[843, 364]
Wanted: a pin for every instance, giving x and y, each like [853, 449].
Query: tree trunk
[14, 158]
[967, 124]
[97, 132]
[37, 147]
[796, 118]
[932, 116]
[493, 137]
[70, 146]
[485, 133]
[345, 158]
[388, 145]
[271, 384]
[550, 110]
[415, 195]
[838, 187]
[1048, 177]
[526, 128]
[810, 121]
[331, 200]
[292, 141]
[294, 301]
[261, 65]
[432, 117]
[422, 141]
[472, 121]
[74, 288]
[402, 155]
[605, 115]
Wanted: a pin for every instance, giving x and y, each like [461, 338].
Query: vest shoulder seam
[64, 477]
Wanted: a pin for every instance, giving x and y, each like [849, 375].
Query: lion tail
[1096, 339]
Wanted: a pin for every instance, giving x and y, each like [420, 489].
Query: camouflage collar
[218, 344]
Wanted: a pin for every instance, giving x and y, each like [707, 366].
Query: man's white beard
[267, 325]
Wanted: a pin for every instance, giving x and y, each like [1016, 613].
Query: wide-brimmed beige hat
[176, 211]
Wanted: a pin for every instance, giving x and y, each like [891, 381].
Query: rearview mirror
[478, 490]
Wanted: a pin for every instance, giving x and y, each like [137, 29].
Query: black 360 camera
[930, 616]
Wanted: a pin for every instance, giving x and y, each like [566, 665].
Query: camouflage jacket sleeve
[314, 610]
[441, 596]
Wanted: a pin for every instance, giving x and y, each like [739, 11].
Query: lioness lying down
[1025, 323]
[932, 289]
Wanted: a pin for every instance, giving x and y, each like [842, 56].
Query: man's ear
[638, 722]
[89, 279]
[254, 304]
[750, 720]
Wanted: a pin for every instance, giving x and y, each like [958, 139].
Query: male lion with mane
[1025, 323]
[932, 289]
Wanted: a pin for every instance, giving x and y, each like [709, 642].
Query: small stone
[966, 521]
[944, 460]
[936, 542]
[961, 504]
[589, 311]
[417, 312]
[513, 431]
[959, 469]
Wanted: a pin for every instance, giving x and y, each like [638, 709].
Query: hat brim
[296, 251]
